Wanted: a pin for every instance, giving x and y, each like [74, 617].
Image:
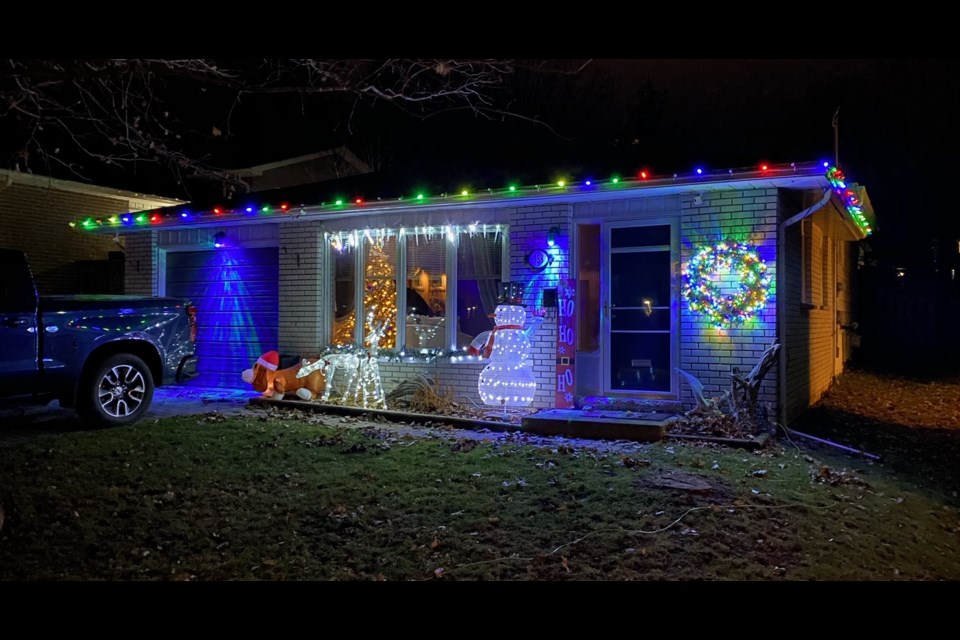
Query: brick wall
[301, 276]
[460, 378]
[142, 264]
[748, 215]
[36, 221]
[529, 227]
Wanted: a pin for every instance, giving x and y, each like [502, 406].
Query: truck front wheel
[118, 391]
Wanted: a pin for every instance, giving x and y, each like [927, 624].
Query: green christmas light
[849, 198]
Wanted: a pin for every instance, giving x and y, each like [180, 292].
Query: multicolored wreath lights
[735, 265]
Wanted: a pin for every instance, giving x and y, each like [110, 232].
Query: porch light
[552, 236]
[219, 239]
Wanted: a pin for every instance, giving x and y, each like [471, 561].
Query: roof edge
[9, 177]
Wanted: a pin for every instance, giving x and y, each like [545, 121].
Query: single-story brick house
[636, 277]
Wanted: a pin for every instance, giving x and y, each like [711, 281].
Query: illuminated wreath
[708, 269]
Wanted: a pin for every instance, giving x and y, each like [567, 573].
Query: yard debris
[214, 416]
[759, 473]
[689, 531]
[438, 572]
[682, 481]
[566, 565]
[833, 477]
[631, 463]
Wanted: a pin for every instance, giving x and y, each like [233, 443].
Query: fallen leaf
[563, 561]
[435, 543]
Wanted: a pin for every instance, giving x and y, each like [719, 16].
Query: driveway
[22, 424]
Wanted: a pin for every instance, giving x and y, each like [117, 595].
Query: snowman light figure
[508, 380]
[370, 389]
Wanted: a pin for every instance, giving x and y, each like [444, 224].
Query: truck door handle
[13, 321]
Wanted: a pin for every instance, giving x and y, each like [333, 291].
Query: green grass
[275, 499]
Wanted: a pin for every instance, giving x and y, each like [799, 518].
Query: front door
[639, 310]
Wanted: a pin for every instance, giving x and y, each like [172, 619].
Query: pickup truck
[102, 355]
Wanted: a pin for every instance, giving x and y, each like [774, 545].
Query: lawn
[296, 497]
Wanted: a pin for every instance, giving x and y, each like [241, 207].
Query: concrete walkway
[25, 423]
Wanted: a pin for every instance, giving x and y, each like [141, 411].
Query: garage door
[235, 292]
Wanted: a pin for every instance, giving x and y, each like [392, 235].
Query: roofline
[788, 176]
[8, 178]
[345, 153]
[572, 194]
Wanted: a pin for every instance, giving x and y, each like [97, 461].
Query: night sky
[897, 126]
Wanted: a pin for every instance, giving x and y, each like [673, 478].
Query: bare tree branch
[123, 112]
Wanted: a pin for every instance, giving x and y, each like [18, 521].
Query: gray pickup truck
[102, 355]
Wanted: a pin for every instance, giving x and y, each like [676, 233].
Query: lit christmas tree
[379, 296]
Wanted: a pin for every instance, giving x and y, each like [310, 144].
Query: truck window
[17, 292]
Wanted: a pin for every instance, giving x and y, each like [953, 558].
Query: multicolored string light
[849, 198]
[736, 265]
[186, 215]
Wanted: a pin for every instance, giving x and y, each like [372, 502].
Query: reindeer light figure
[370, 389]
[331, 363]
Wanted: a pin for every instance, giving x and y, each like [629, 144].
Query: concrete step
[648, 426]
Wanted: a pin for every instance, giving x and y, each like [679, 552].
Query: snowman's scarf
[488, 347]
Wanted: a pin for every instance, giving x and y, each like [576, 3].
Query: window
[449, 290]
[816, 262]
[478, 281]
[380, 286]
[426, 293]
[344, 298]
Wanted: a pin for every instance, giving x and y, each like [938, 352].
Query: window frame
[451, 270]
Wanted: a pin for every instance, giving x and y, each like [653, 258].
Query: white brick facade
[748, 215]
[747, 211]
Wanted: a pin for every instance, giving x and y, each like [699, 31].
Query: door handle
[13, 321]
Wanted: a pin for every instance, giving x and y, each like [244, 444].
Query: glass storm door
[639, 322]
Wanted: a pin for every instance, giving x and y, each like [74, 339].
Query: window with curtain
[343, 293]
[478, 278]
[426, 293]
[439, 276]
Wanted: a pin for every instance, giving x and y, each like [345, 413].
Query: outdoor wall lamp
[219, 239]
[552, 236]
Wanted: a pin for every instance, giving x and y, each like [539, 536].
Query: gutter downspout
[781, 298]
